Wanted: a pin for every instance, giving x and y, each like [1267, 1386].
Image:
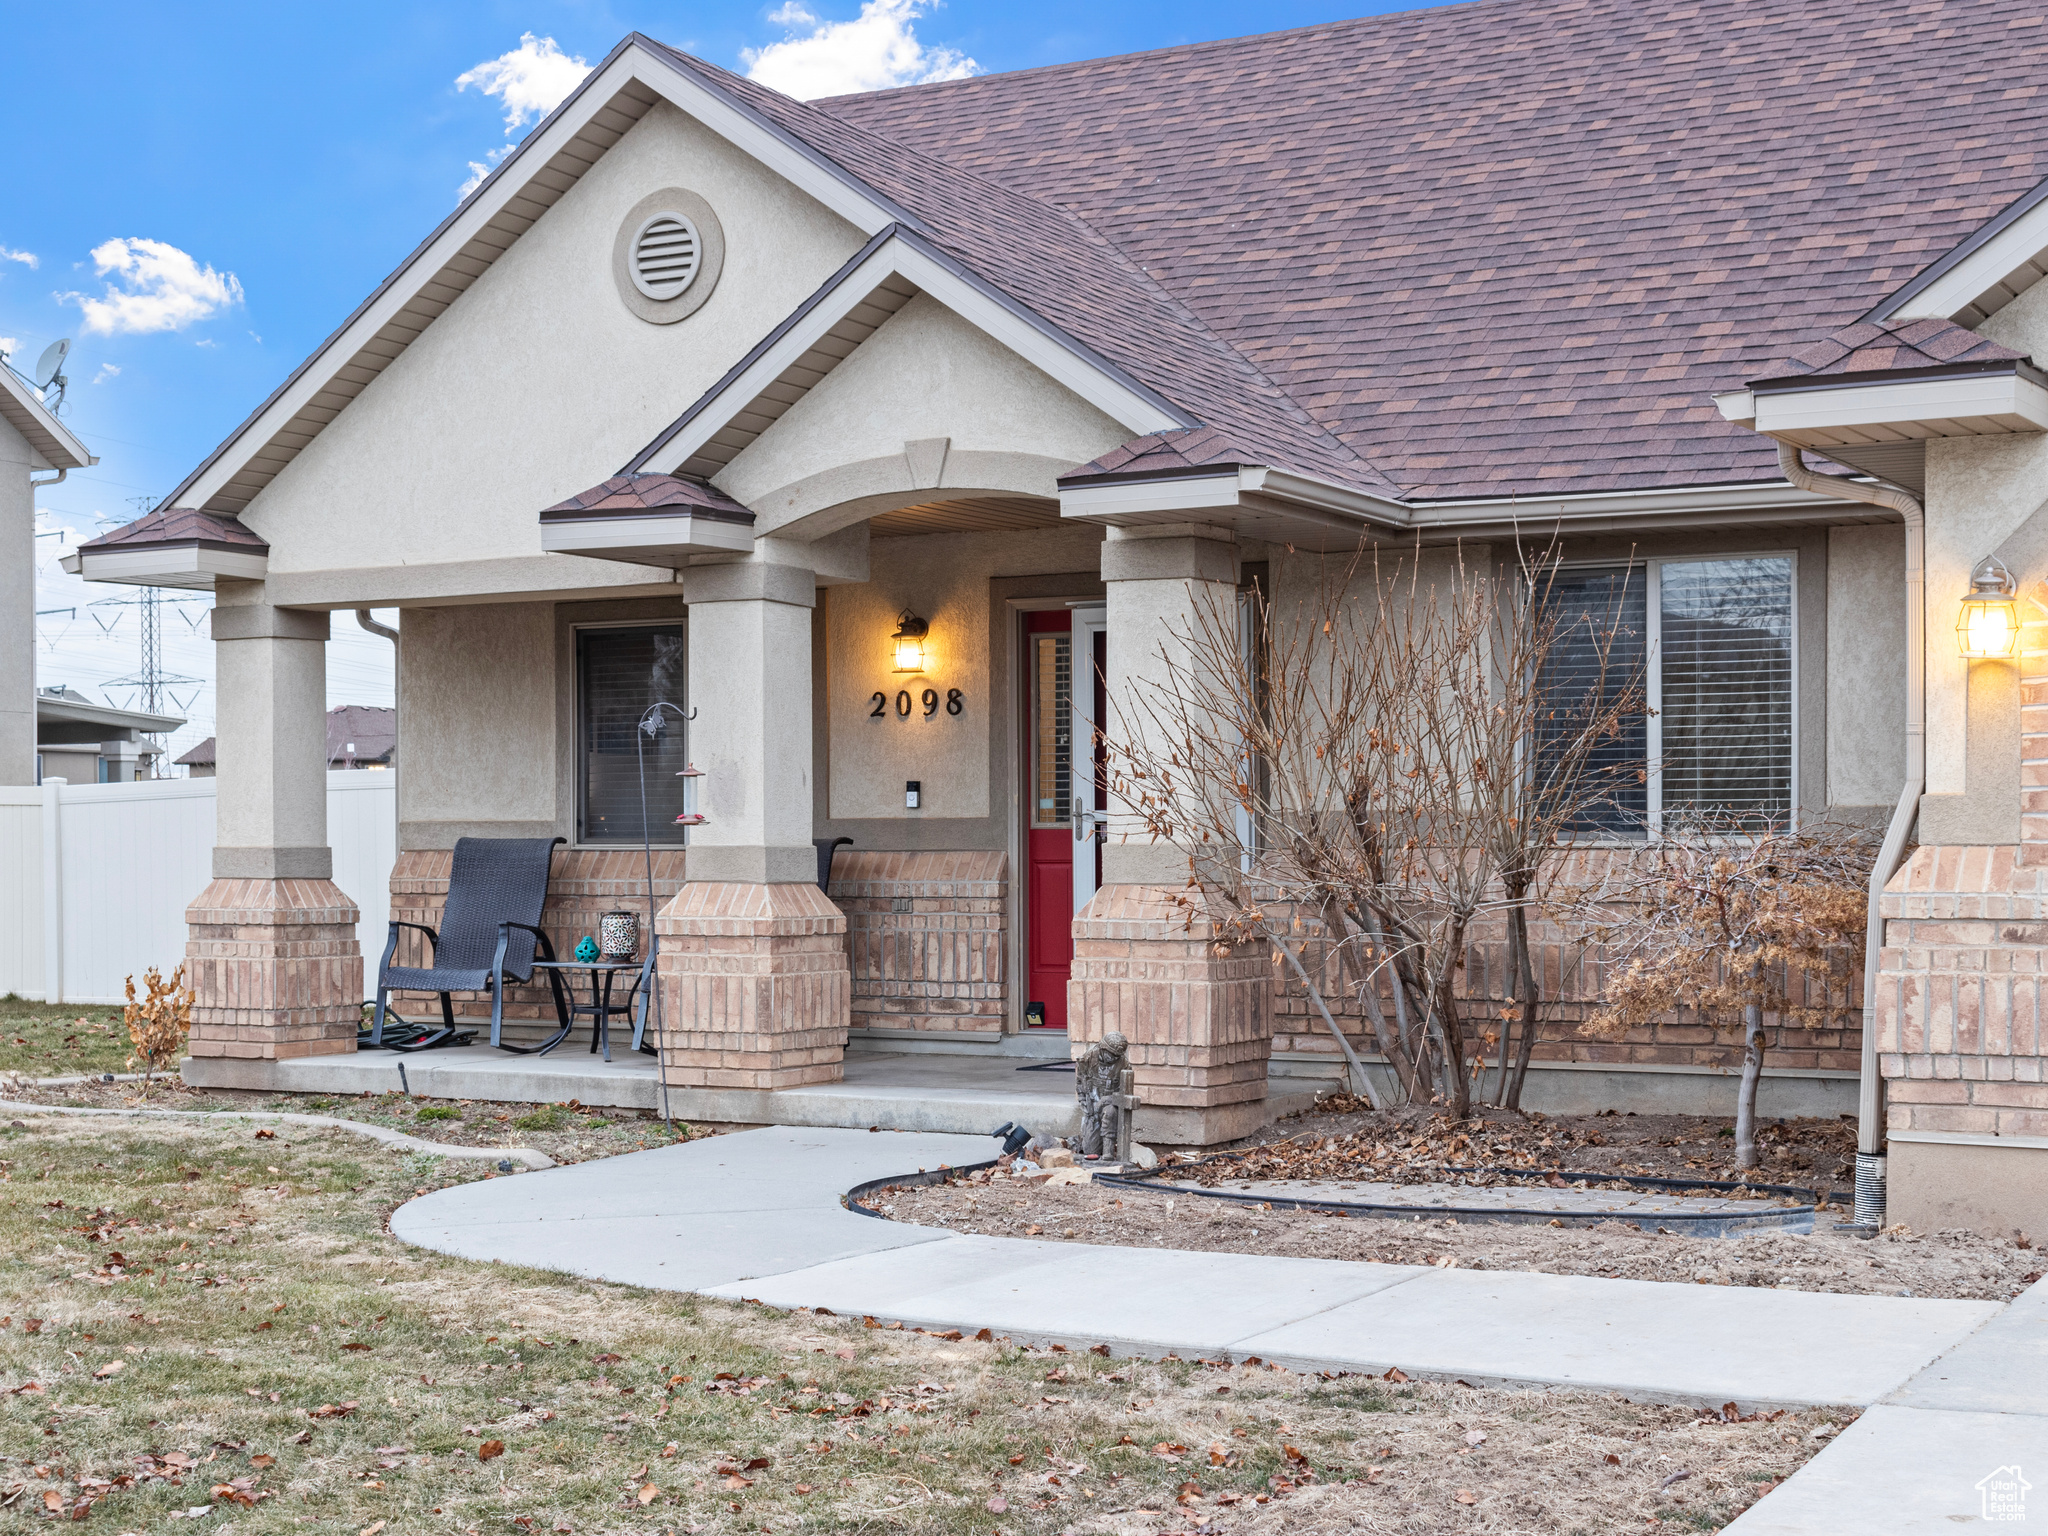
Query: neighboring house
[358, 736]
[32, 440]
[1047, 361]
[86, 743]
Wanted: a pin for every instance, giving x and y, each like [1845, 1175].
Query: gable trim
[1996, 263]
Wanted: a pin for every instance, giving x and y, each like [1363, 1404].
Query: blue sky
[201, 193]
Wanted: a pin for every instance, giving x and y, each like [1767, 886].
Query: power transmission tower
[152, 681]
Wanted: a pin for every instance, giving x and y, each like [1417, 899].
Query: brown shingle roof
[627, 495]
[1871, 346]
[1494, 247]
[182, 525]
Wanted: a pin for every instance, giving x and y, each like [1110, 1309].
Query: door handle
[1086, 827]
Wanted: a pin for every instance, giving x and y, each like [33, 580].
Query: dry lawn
[567, 1132]
[205, 1324]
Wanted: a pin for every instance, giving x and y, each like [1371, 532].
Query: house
[32, 440]
[865, 428]
[86, 743]
[358, 736]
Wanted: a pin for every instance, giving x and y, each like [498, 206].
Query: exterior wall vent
[666, 255]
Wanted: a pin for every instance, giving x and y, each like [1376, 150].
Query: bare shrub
[1377, 769]
[159, 1023]
[1732, 917]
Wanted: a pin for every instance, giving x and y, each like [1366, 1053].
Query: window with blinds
[1714, 641]
[1599, 649]
[1052, 730]
[1724, 694]
[619, 673]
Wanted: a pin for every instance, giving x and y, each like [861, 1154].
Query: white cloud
[28, 259]
[876, 50]
[107, 371]
[7, 346]
[531, 81]
[156, 287]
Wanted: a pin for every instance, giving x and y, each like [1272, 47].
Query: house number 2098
[928, 700]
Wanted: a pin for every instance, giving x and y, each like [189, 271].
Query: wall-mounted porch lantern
[1989, 623]
[909, 641]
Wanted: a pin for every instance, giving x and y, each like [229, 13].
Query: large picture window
[1712, 640]
[619, 673]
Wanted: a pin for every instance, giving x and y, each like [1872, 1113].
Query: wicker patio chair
[497, 888]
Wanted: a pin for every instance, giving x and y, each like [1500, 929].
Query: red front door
[1048, 812]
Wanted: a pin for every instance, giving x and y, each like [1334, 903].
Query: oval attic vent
[666, 254]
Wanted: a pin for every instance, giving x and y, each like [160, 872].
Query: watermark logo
[2005, 1494]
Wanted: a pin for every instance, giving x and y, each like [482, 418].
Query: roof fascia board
[1931, 373]
[634, 60]
[165, 565]
[2016, 403]
[897, 252]
[48, 436]
[1650, 506]
[2000, 247]
[70, 712]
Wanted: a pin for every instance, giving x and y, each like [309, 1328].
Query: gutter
[1870, 1162]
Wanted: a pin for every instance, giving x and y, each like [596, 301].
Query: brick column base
[275, 969]
[1200, 1022]
[755, 992]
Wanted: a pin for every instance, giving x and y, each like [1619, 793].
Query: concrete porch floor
[961, 1093]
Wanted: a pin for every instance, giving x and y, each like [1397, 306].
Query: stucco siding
[539, 382]
[476, 698]
[1866, 715]
[945, 578]
[925, 374]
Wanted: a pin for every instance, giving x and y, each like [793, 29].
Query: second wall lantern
[1989, 623]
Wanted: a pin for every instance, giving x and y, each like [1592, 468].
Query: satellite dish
[51, 361]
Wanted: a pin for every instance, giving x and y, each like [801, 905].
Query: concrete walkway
[1913, 1464]
[757, 1215]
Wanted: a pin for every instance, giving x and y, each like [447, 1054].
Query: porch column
[272, 955]
[1199, 1022]
[756, 992]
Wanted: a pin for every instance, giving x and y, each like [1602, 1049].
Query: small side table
[600, 1008]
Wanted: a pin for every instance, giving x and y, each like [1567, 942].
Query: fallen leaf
[1612, 1460]
[803, 1487]
[1475, 1437]
[1467, 1496]
[112, 1367]
[371, 1530]
[648, 1493]
[269, 1135]
[998, 1506]
[1395, 1374]
[489, 1449]
[262, 1461]
[606, 1359]
[303, 1437]
[984, 1337]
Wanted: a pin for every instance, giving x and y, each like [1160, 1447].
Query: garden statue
[1102, 1084]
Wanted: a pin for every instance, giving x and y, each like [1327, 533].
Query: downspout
[1870, 1162]
[56, 479]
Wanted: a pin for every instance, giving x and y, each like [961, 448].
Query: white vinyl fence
[95, 878]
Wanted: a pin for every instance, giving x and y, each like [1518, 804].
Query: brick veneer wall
[1569, 981]
[755, 986]
[925, 938]
[586, 883]
[1959, 1001]
[275, 969]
